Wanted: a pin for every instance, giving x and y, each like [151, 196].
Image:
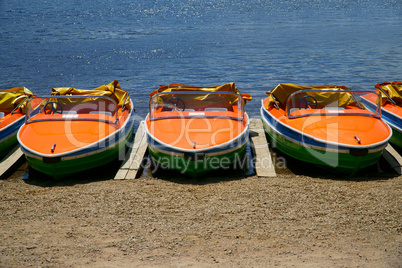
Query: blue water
[143, 44]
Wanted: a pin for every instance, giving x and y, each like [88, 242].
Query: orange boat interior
[197, 132]
[58, 133]
[198, 120]
[347, 125]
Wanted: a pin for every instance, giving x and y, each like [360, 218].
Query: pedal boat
[77, 130]
[391, 107]
[12, 116]
[324, 125]
[196, 129]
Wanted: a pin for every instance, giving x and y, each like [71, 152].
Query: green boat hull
[344, 162]
[195, 167]
[396, 137]
[67, 167]
[8, 144]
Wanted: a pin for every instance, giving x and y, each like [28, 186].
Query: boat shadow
[242, 171]
[104, 173]
[399, 150]
[291, 166]
[285, 166]
[212, 177]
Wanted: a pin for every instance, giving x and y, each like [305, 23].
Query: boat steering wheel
[311, 105]
[54, 108]
[175, 102]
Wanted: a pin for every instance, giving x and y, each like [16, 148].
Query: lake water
[143, 44]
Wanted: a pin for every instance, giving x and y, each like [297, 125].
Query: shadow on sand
[285, 166]
[106, 172]
[379, 171]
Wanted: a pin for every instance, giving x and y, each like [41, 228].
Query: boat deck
[56, 134]
[340, 126]
[196, 132]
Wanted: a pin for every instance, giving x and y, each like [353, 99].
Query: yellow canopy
[282, 91]
[13, 97]
[230, 87]
[392, 89]
[112, 90]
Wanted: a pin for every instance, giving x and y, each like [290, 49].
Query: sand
[245, 221]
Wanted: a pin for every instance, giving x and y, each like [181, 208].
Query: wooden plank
[139, 155]
[121, 174]
[139, 137]
[393, 158]
[11, 160]
[262, 157]
[137, 164]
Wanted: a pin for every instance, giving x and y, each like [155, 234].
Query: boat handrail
[351, 92]
[75, 119]
[388, 97]
[273, 97]
[200, 116]
[332, 114]
[240, 118]
[50, 99]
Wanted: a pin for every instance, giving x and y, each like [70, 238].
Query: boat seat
[216, 109]
[69, 112]
[101, 112]
[2, 114]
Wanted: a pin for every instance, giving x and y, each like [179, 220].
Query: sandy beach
[291, 220]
